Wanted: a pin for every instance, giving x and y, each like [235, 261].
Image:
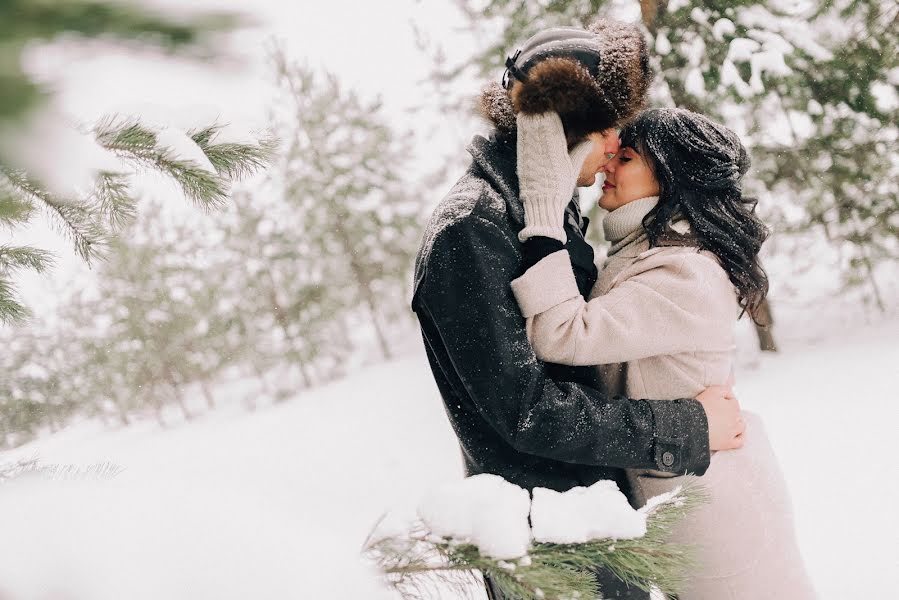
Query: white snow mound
[583, 514]
[485, 510]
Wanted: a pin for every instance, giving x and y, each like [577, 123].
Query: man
[533, 423]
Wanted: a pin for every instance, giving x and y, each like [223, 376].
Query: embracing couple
[557, 374]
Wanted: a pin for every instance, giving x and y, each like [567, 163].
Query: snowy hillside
[276, 504]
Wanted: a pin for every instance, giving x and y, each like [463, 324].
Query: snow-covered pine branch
[481, 524]
[202, 167]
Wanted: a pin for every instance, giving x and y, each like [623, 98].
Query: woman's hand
[547, 173]
[726, 426]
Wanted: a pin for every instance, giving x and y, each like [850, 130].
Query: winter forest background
[208, 215]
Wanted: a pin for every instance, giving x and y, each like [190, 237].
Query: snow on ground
[278, 502]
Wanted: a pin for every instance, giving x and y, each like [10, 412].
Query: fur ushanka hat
[595, 78]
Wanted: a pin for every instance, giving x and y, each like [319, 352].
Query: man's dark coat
[533, 423]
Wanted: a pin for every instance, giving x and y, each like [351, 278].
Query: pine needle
[114, 200]
[71, 218]
[12, 312]
[13, 258]
[135, 143]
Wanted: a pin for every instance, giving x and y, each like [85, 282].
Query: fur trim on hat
[585, 104]
[564, 86]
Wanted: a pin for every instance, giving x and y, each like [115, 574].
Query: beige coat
[659, 323]
[666, 312]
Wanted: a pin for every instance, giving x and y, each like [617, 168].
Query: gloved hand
[547, 174]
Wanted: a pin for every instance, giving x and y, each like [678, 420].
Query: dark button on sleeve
[667, 459]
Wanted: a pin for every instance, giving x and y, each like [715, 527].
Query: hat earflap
[565, 86]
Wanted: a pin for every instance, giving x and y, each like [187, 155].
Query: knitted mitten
[547, 174]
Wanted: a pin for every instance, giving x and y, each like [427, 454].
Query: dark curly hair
[699, 165]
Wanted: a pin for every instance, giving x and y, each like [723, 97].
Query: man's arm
[466, 296]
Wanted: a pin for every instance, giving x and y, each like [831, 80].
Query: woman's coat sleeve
[665, 304]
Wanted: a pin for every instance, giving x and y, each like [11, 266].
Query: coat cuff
[548, 283]
[681, 436]
[536, 249]
[543, 217]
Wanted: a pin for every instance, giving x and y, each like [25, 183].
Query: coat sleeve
[465, 298]
[669, 304]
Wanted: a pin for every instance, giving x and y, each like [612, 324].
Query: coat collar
[497, 160]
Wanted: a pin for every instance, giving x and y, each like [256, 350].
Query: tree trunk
[261, 377]
[121, 412]
[304, 373]
[207, 393]
[873, 281]
[649, 10]
[51, 419]
[284, 323]
[157, 406]
[376, 321]
[763, 324]
[179, 397]
[364, 284]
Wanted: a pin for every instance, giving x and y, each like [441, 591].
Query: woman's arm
[668, 302]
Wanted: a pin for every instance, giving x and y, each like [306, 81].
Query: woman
[682, 266]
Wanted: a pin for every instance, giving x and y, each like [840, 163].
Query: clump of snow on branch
[662, 45]
[742, 49]
[66, 160]
[694, 83]
[485, 510]
[723, 27]
[659, 500]
[179, 146]
[491, 513]
[582, 514]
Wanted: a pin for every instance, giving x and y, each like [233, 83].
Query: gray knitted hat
[595, 78]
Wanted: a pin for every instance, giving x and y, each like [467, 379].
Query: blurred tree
[150, 330]
[342, 175]
[290, 316]
[23, 22]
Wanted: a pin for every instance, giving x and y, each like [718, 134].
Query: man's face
[605, 144]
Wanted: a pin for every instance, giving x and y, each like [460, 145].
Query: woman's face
[628, 178]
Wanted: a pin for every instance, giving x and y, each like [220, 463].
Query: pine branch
[12, 312]
[113, 198]
[207, 190]
[233, 160]
[421, 561]
[73, 219]
[133, 142]
[11, 470]
[58, 472]
[14, 209]
[13, 258]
